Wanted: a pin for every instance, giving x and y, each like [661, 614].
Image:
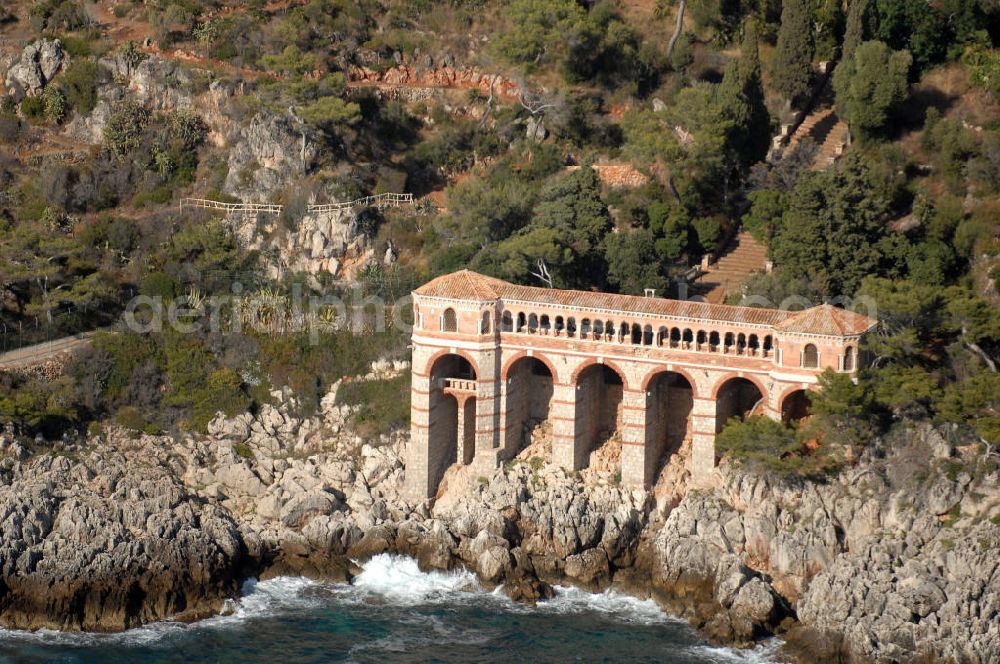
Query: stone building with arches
[490, 356]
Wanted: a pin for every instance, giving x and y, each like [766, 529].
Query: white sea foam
[399, 580]
[610, 603]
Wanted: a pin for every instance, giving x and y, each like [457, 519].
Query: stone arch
[574, 377]
[795, 404]
[505, 370]
[451, 413]
[736, 396]
[528, 388]
[849, 358]
[599, 391]
[459, 352]
[669, 405]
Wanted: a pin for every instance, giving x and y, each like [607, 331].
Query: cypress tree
[741, 97]
[792, 65]
[855, 32]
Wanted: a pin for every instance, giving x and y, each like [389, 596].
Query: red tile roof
[827, 319]
[468, 285]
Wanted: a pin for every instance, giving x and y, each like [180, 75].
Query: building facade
[491, 357]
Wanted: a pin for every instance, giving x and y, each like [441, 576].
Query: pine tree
[741, 97]
[792, 65]
[855, 33]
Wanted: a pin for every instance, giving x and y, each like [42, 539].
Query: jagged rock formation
[266, 152]
[874, 565]
[39, 63]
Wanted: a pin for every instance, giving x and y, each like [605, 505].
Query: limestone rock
[40, 61]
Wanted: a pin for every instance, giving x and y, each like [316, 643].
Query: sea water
[393, 612]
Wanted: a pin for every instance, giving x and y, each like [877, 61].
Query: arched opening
[532, 323]
[599, 393]
[449, 321]
[609, 330]
[585, 328]
[636, 333]
[741, 343]
[810, 357]
[737, 397]
[546, 324]
[598, 330]
[507, 322]
[849, 358]
[452, 404]
[675, 337]
[560, 325]
[484, 323]
[570, 327]
[702, 339]
[647, 335]
[528, 395]
[728, 342]
[687, 339]
[768, 345]
[795, 406]
[754, 344]
[522, 321]
[661, 336]
[713, 342]
[669, 400]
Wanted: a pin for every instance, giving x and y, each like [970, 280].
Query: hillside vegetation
[497, 116]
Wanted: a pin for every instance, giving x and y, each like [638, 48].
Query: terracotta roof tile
[827, 319]
[468, 285]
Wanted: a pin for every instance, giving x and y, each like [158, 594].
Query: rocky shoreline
[874, 565]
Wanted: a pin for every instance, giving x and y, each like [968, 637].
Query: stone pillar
[417, 477]
[634, 462]
[463, 439]
[487, 430]
[562, 414]
[702, 441]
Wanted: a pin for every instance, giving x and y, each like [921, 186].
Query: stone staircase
[829, 133]
[741, 257]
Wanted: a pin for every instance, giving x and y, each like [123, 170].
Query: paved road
[32, 355]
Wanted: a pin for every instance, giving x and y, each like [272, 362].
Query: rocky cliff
[887, 562]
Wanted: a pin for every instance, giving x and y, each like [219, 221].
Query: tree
[329, 113]
[791, 70]
[834, 229]
[869, 85]
[857, 28]
[741, 97]
[633, 263]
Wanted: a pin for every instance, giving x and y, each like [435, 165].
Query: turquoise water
[394, 612]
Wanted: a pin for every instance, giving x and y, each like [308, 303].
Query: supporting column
[487, 430]
[634, 462]
[702, 442]
[562, 414]
[417, 477]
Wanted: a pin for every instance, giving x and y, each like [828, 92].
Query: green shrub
[33, 108]
[384, 405]
[130, 418]
[80, 82]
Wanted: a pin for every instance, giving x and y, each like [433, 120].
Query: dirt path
[43, 352]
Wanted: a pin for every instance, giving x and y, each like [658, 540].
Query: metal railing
[385, 200]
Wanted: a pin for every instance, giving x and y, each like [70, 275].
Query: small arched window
[636, 333]
[675, 337]
[598, 329]
[661, 335]
[571, 327]
[810, 357]
[585, 328]
[521, 322]
[449, 321]
[713, 341]
[560, 324]
[849, 358]
[702, 338]
[484, 323]
[546, 324]
[507, 322]
[532, 322]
